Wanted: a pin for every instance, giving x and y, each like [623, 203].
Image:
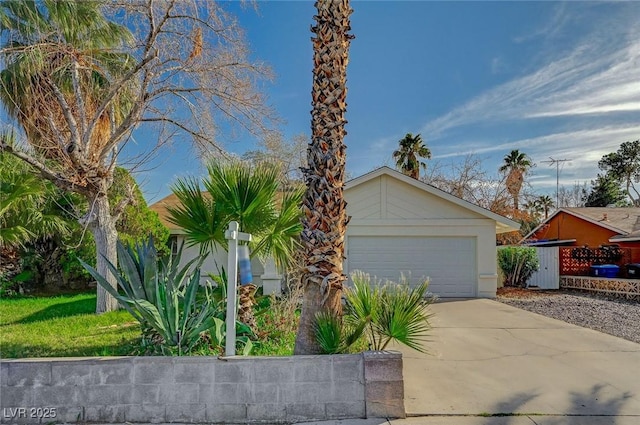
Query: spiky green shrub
[393, 312]
[335, 336]
[518, 263]
[162, 296]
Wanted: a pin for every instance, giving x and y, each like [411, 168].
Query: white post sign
[233, 235]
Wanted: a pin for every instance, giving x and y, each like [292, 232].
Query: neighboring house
[401, 225]
[591, 226]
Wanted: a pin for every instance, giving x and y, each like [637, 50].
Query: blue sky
[552, 79]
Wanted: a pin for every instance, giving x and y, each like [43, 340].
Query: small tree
[518, 263]
[237, 191]
[605, 191]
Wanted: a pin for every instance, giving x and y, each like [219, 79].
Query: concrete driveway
[488, 358]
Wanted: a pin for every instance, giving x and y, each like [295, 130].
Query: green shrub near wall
[517, 264]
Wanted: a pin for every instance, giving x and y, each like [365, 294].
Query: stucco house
[401, 225]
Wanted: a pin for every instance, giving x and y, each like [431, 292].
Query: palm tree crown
[61, 57]
[546, 204]
[407, 157]
[248, 195]
[515, 165]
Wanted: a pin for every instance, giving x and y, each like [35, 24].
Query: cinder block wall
[201, 389]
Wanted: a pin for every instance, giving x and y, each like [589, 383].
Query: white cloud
[600, 75]
[579, 104]
[551, 28]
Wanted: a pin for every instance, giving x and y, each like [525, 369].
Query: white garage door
[450, 262]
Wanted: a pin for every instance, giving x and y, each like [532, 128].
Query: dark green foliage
[137, 221]
[41, 222]
[27, 210]
[605, 191]
[623, 166]
[517, 263]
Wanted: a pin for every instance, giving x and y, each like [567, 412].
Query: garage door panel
[449, 262]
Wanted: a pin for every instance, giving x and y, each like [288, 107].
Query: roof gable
[406, 197]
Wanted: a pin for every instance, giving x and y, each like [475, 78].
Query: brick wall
[201, 389]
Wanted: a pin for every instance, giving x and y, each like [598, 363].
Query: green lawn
[64, 326]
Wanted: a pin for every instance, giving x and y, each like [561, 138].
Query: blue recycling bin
[605, 270]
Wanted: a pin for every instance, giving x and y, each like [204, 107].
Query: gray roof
[622, 220]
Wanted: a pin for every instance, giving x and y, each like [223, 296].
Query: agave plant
[162, 297]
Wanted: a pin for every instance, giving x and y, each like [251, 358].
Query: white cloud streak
[601, 75]
[579, 105]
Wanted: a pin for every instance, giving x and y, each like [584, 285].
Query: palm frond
[198, 215]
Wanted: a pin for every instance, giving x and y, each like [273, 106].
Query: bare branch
[75, 78]
[56, 178]
[124, 202]
[68, 115]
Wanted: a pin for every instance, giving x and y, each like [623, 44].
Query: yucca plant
[335, 336]
[384, 313]
[402, 316]
[161, 295]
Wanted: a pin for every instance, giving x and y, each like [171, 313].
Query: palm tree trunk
[514, 183]
[324, 209]
[102, 226]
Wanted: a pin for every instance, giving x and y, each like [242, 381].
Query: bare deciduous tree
[289, 155]
[79, 77]
[469, 181]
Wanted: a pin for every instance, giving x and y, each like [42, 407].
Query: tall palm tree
[515, 165]
[324, 208]
[546, 204]
[62, 60]
[250, 195]
[534, 208]
[408, 155]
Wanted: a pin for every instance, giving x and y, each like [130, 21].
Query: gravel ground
[615, 317]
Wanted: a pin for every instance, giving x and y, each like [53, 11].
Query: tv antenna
[557, 162]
